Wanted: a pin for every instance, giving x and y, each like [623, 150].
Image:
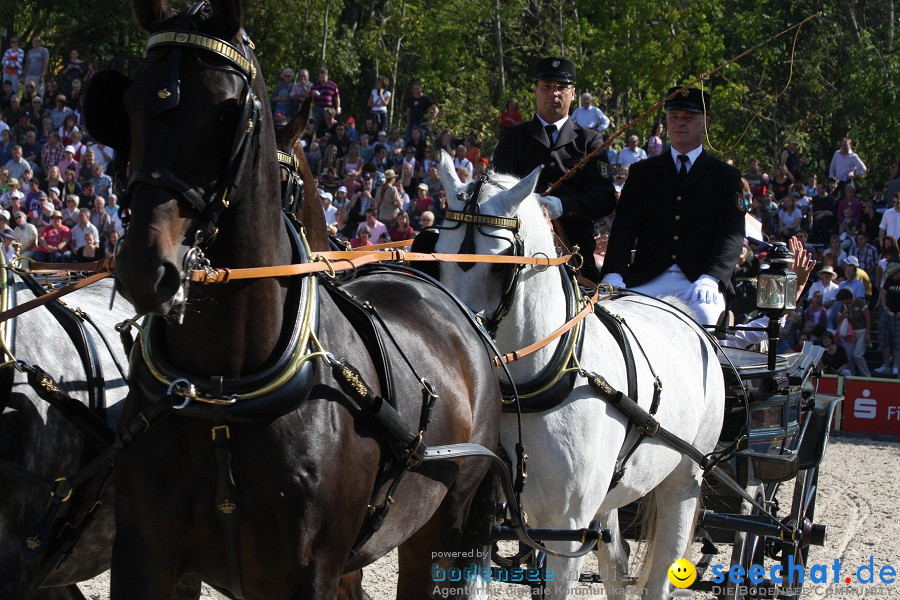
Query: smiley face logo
[682, 573]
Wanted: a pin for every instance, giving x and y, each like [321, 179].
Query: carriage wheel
[749, 549]
[803, 508]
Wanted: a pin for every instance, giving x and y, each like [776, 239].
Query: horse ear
[287, 136]
[230, 14]
[449, 178]
[149, 13]
[525, 187]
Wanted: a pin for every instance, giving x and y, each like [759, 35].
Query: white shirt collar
[558, 124]
[692, 155]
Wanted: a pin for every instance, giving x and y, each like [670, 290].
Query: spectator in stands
[82, 226]
[37, 60]
[300, 91]
[850, 199]
[846, 166]
[339, 140]
[379, 99]
[511, 116]
[352, 133]
[26, 234]
[325, 127]
[13, 62]
[889, 322]
[54, 241]
[73, 69]
[589, 116]
[281, 97]
[401, 230]
[848, 227]
[16, 165]
[655, 142]
[890, 220]
[834, 360]
[363, 237]
[781, 184]
[460, 161]
[14, 112]
[866, 253]
[790, 157]
[377, 229]
[388, 201]
[824, 214]
[855, 310]
[446, 142]
[631, 153]
[870, 220]
[68, 127]
[325, 95]
[758, 180]
[420, 111]
[790, 217]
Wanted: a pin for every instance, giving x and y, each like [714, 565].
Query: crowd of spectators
[56, 200]
[380, 183]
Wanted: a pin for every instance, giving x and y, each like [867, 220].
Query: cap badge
[555, 64]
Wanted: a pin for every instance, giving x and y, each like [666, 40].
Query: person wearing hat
[555, 142]
[825, 285]
[8, 236]
[281, 97]
[26, 234]
[68, 160]
[684, 209]
[889, 322]
[388, 201]
[55, 241]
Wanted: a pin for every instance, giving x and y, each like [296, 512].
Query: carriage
[257, 480]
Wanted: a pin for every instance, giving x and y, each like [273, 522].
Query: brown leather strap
[97, 266]
[330, 262]
[49, 297]
[523, 352]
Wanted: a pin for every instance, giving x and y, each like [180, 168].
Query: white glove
[705, 290]
[614, 279]
[553, 205]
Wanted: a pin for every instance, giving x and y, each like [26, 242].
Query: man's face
[846, 145]
[585, 101]
[36, 41]
[17, 153]
[553, 99]
[14, 102]
[861, 241]
[370, 219]
[416, 90]
[323, 75]
[29, 137]
[460, 151]
[82, 219]
[754, 166]
[686, 129]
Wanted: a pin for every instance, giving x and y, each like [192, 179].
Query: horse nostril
[168, 282]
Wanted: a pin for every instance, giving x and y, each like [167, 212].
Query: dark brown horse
[262, 484]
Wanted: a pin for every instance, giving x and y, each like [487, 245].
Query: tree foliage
[835, 77]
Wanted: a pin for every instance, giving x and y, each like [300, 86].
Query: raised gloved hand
[614, 279]
[705, 290]
[553, 205]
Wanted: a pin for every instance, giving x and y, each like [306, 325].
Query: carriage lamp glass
[776, 290]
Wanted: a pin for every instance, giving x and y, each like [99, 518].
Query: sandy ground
[859, 485]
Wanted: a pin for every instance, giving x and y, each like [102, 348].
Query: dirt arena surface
[859, 487]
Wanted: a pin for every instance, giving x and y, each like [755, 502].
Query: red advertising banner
[827, 384]
[871, 406]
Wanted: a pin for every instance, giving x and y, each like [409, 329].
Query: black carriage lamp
[776, 292]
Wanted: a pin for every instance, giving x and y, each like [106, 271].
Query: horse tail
[646, 534]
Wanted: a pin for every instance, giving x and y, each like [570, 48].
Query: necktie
[550, 129]
[683, 170]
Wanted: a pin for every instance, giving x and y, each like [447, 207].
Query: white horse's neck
[539, 304]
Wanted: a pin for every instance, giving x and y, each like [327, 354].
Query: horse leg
[350, 587]
[612, 558]
[673, 526]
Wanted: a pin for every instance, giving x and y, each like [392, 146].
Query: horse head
[196, 125]
[495, 215]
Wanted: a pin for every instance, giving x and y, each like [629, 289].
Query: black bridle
[474, 220]
[167, 95]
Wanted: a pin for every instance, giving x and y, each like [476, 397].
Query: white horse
[36, 436]
[572, 448]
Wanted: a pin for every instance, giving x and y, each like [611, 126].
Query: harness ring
[537, 265]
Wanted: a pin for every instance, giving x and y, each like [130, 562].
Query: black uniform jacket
[697, 223]
[586, 196]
